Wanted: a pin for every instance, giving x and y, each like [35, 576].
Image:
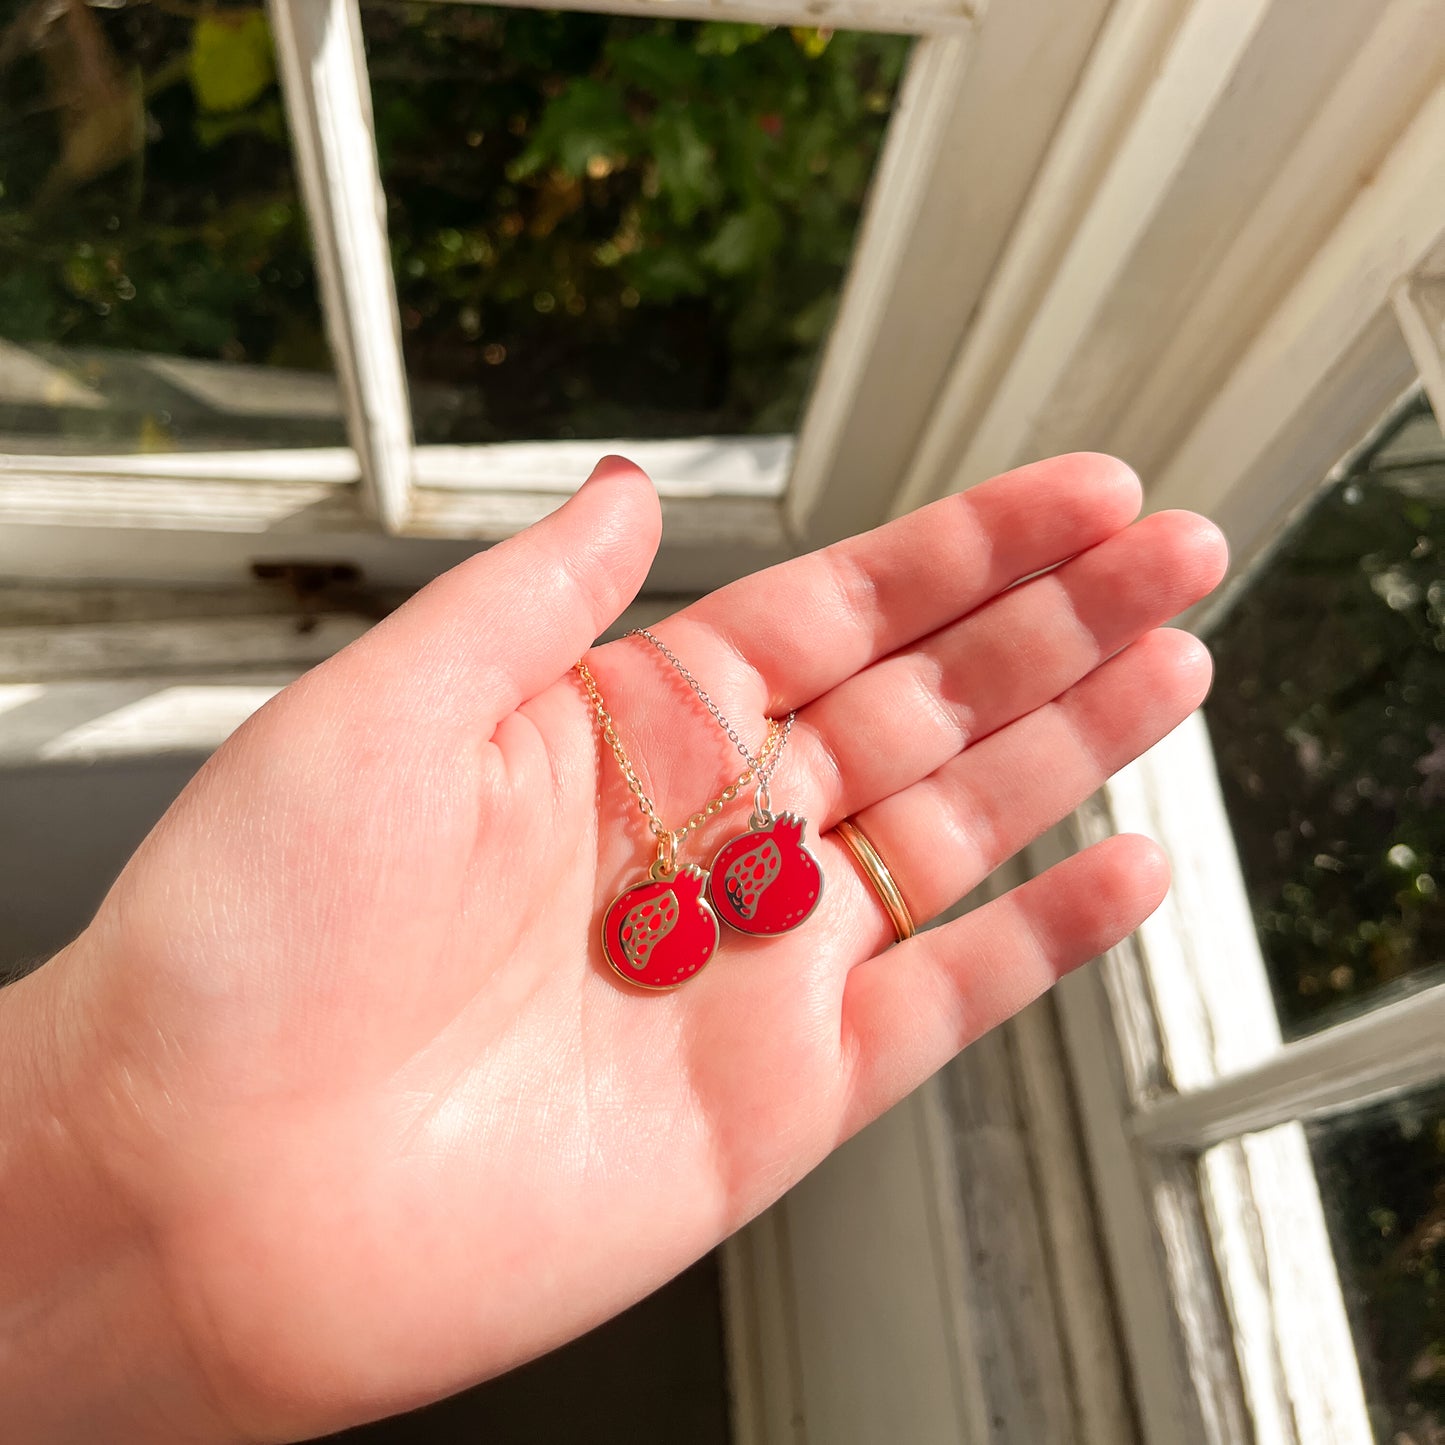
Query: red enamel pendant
[765, 881]
[659, 933]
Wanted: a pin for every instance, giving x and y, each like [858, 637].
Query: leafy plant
[618, 226]
[600, 225]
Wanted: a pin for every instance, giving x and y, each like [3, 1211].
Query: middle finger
[903, 717]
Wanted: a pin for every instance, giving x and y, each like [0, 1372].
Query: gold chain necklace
[764, 881]
[762, 766]
[658, 932]
[669, 838]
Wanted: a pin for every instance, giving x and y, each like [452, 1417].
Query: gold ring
[876, 871]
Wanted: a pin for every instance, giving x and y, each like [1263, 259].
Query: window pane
[609, 226]
[1382, 1179]
[1328, 720]
[156, 284]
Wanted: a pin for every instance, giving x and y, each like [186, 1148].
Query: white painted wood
[1395, 1047]
[877, 1319]
[691, 466]
[1240, 1273]
[27, 605]
[1250, 135]
[60, 525]
[1419, 303]
[79, 679]
[906, 170]
[1200, 952]
[1130, 46]
[1340, 302]
[744, 466]
[1183, 1369]
[764, 1372]
[948, 1320]
[1034, 1286]
[722, 494]
[334, 466]
[949, 187]
[53, 496]
[1006, 1293]
[205, 559]
[112, 649]
[195, 554]
[1167, 233]
[1084, 1294]
[1201, 62]
[752, 525]
[721, 507]
[1214, 1028]
[1347, 139]
[1291, 1332]
[1349, 402]
[328, 104]
[906, 17]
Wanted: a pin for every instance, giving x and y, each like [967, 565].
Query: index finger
[808, 624]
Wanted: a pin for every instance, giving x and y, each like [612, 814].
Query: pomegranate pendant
[657, 934]
[765, 881]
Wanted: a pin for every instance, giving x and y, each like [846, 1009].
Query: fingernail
[607, 466]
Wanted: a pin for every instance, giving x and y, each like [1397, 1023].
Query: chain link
[761, 766]
[767, 757]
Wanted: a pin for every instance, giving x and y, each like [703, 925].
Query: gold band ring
[876, 871]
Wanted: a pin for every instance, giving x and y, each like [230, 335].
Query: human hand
[340, 1047]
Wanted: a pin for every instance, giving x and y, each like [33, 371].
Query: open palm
[392, 1123]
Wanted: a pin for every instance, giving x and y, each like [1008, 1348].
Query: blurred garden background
[600, 226]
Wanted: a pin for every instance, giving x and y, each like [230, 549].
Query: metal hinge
[320, 587]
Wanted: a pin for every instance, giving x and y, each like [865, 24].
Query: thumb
[504, 625]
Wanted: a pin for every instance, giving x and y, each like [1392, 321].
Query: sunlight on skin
[340, 1049]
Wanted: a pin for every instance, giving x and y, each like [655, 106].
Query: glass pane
[156, 283]
[1328, 720]
[607, 226]
[1382, 1179]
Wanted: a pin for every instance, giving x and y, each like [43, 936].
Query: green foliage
[181, 235]
[1329, 725]
[650, 219]
[587, 119]
[600, 225]
[231, 65]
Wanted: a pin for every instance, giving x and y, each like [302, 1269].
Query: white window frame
[730, 504]
[1200, 282]
[1195, 1109]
